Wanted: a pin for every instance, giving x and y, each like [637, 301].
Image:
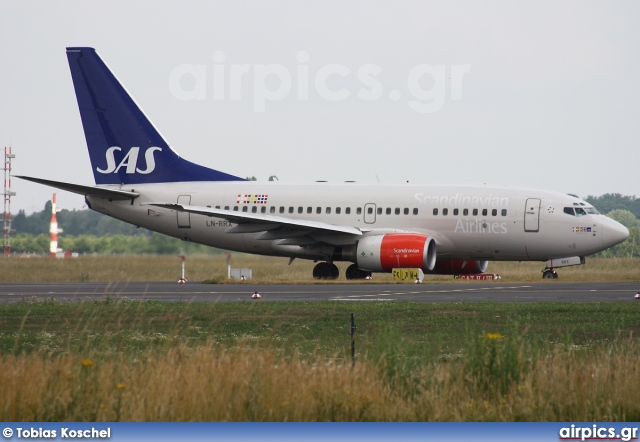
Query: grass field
[130, 360]
[266, 270]
[123, 360]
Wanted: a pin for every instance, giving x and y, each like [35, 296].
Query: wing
[289, 231]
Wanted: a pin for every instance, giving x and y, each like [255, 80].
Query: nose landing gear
[550, 273]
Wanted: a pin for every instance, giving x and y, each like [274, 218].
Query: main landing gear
[549, 273]
[353, 272]
[326, 270]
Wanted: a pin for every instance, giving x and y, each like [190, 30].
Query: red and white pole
[53, 230]
[182, 279]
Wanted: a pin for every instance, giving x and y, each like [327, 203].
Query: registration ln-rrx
[377, 227]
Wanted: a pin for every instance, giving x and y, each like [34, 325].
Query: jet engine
[382, 253]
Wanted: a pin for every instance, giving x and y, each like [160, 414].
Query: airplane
[446, 230]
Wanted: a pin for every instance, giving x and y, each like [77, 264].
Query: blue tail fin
[124, 147]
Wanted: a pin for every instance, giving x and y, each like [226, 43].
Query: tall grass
[213, 383]
[267, 270]
[496, 362]
[123, 360]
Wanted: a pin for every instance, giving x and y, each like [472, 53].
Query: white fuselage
[467, 222]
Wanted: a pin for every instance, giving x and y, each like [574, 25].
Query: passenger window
[338, 210]
[318, 210]
[484, 212]
[379, 210]
[406, 211]
[445, 212]
[435, 212]
[494, 212]
[273, 209]
[455, 212]
[369, 210]
[235, 208]
[254, 209]
[359, 211]
[465, 212]
[300, 209]
[347, 210]
[388, 211]
[475, 212]
[263, 209]
[415, 211]
[328, 210]
[281, 209]
[217, 207]
[245, 208]
[504, 212]
[226, 207]
[290, 209]
[309, 209]
[397, 211]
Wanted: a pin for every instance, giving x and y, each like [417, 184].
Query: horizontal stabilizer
[100, 192]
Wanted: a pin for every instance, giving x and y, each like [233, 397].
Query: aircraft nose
[615, 233]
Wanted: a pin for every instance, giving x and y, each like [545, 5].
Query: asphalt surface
[454, 292]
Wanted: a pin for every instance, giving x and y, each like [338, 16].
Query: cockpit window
[582, 209]
[569, 211]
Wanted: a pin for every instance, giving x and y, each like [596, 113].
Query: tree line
[90, 232]
[109, 244]
[74, 223]
[86, 231]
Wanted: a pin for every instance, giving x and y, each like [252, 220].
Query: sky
[539, 94]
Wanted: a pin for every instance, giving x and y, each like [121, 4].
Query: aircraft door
[184, 218]
[532, 215]
[370, 213]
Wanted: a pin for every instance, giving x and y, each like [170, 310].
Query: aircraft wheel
[549, 274]
[334, 271]
[325, 270]
[353, 272]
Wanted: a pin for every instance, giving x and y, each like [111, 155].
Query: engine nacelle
[460, 267]
[382, 253]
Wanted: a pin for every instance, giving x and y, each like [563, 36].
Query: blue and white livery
[440, 229]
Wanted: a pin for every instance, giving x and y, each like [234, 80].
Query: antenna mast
[8, 193]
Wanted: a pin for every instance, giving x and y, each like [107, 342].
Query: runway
[366, 292]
